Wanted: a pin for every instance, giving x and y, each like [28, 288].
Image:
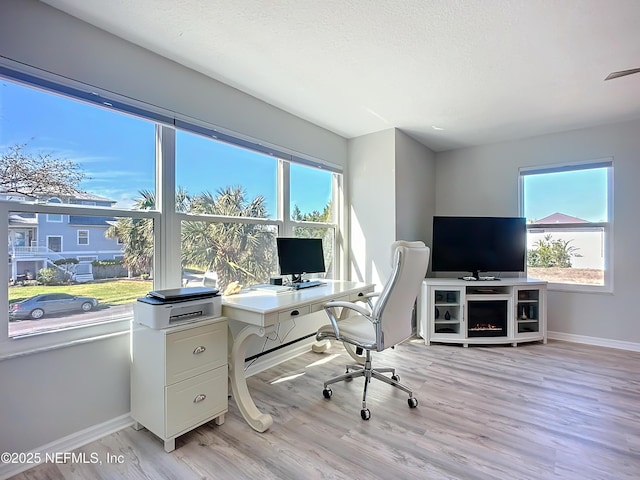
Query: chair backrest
[394, 307]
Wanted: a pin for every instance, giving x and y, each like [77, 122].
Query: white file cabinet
[179, 377]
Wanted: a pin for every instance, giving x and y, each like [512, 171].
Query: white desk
[261, 312]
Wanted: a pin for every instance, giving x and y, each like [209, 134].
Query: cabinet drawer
[304, 310]
[316, 307]
[195, 350]
[356, 296]
[191, 402]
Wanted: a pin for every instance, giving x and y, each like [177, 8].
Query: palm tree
[136, 234]
[241, 252]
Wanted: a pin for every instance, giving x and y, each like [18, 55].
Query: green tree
[136, 234]
[36, 174]
[241, 252]
[325, 233]
[550, 252]
[315, 216]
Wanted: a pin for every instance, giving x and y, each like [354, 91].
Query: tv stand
[506, 311]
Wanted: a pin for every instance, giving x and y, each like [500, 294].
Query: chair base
[366, 371]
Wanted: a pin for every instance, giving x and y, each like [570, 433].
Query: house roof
[560, 218]
[80, 196]
[90, 197]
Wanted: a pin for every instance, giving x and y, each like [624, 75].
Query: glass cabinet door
[527, 314]
[447, 314]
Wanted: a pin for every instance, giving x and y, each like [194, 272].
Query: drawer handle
[294, 313]
[199, 398]
[199, 349]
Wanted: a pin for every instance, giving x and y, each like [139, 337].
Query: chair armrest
[350, 305]
[371, 295]
[368, 297]
[329, 308]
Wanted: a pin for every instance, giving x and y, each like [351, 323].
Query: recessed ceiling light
[435, 127]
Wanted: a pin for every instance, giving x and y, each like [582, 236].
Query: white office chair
[387, 324]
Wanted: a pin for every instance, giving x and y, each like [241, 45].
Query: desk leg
[257, 420]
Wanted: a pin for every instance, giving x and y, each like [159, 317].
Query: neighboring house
[588, 242]
[36, 241]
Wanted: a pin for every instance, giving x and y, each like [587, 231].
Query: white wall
[415, 189]
[47, 396]
[50, 395]
[484, 181]
[391, 181]
[372, 205]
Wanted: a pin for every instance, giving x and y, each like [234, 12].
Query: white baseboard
[600, 342]
[69, 443]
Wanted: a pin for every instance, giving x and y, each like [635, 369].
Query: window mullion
[284, 198]
[577, 226]
[167, 263]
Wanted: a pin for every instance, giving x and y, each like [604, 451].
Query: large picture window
[568, 211]
[88, 237]
[65, 162]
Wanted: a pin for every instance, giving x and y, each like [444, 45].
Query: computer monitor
[297, 256]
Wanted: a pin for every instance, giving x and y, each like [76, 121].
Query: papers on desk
[275, 289]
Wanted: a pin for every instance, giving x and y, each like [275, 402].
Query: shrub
[552, 253]
[51, 276]
[66, 261]
[104, 263]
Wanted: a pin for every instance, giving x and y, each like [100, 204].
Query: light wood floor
[561, 411]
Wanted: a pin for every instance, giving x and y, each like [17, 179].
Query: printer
[166, 308]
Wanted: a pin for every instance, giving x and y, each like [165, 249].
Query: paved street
[101, 313]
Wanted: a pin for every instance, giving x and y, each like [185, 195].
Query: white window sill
[572, 288]
[52, 340]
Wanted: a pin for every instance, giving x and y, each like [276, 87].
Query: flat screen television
[297, 256]
[478, 244]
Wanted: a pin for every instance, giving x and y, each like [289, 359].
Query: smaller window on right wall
[569, 213]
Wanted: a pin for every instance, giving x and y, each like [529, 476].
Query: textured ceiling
[483, 71]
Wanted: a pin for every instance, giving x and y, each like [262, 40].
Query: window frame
[167, 273]
[61, 237]
[42, 341]
[607, 227]
[86, 237]
[54, 218]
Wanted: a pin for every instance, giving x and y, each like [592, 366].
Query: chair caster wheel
[327, 392]
[395, 378]
[365, 413]
[413, 402]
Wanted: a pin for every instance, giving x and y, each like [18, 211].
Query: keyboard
[312, 283]
[271, 288]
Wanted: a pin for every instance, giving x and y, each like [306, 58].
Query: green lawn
[111, 292]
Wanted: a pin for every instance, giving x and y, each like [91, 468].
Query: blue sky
[581, 193]
[117, 152]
